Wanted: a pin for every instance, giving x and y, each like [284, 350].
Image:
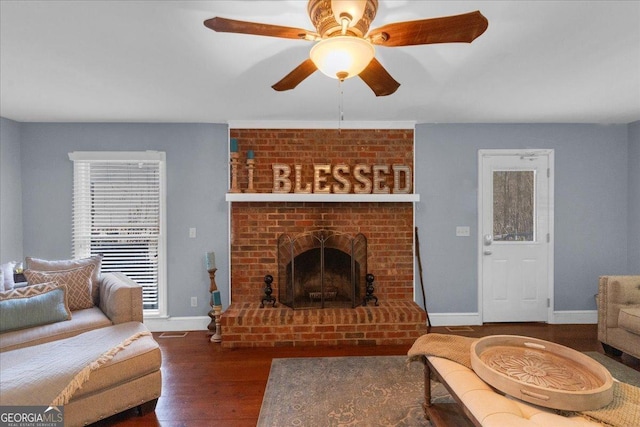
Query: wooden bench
[444, 414]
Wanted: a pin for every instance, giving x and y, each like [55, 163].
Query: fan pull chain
[340, 106]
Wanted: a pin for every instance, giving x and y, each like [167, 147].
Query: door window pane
[513, 205]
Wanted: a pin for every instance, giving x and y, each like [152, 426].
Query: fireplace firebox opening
[322, 269]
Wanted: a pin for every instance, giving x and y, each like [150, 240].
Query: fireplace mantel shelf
[315, 197]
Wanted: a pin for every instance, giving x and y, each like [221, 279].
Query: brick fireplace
[322, 269]
[257, 226]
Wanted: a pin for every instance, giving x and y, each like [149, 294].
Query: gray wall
[591, 207]
[196, 184]
[597, 201]
[10, 192]
[634, 198]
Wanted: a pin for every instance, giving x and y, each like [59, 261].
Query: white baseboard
[200, 323]
[174, 324]
[558, 318]
[575, 317]
[454, 319]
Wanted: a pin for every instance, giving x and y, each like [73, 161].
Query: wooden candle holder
[250, 167]
[234, 172]
[212, 287]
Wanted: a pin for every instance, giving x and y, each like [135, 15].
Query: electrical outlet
[194, 301]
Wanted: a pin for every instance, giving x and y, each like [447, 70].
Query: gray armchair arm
[120, 298]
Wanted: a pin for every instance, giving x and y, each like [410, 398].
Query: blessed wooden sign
[342, 179]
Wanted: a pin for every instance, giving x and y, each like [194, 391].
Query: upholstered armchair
[619, 314]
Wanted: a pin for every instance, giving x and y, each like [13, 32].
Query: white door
[515, 227]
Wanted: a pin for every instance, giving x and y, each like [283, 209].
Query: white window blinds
[118, 204]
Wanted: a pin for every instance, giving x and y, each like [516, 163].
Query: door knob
[488, 252]
[488, 239]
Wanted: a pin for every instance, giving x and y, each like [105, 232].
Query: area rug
[357, 391]
[346, 391]
[617, 370]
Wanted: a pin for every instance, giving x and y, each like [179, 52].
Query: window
[513, 205]
[119, 212]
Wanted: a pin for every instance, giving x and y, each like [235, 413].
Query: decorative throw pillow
[27, 291]
[67, 264]
[78, 281]
[33, 305]
[1, 280]
[7, 272]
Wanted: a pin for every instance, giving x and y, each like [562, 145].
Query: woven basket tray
[542, 373]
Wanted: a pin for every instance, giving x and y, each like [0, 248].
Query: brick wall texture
[256, 226]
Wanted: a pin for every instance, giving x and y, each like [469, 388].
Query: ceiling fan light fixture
[348, 10]
[342, 57]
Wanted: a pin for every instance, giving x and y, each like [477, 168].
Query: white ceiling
[154, 61]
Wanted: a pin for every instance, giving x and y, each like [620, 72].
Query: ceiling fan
[345, 46]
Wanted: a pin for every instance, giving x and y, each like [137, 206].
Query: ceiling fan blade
[296, 76]
[232, 26]
[449, 29]
[378, 79]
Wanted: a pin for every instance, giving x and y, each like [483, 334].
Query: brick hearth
[248, 325]
[256, 226]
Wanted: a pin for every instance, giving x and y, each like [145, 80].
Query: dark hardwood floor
[206, 385]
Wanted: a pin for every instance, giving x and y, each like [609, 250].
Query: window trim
[128, 156]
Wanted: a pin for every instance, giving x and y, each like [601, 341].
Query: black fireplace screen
[322, 269]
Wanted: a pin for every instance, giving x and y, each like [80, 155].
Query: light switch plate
[463, 231]
[192, 232]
